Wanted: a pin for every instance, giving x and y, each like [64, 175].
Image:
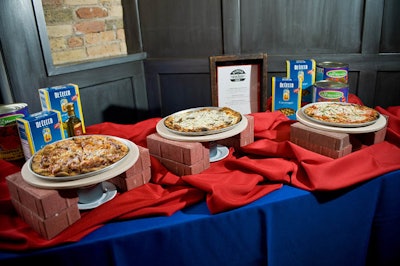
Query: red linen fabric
[244, 176]
[393, 129]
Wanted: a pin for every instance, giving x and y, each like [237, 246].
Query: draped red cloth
[246, 175]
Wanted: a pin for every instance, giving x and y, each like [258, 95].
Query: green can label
[331, 95]
[330, 91]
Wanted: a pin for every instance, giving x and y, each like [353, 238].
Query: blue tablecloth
[356, 226]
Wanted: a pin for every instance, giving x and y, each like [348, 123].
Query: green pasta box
[286, 96]
[66, 100]
[38, 130]
[303, 70]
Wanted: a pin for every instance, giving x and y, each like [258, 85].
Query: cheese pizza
[204, 119]
[78, 155]
[341, 113]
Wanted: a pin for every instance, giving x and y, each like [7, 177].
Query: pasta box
[286, 96]
[38, 130]
[304, 70]
[58, 98]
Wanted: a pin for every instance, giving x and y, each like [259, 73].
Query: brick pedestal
[242, 139]
[186, 158]
[139, 174]
[332, 144]
[47, 211]
[181, 158]
[50, 211]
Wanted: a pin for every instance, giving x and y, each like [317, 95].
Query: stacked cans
[10, 145]
[331, 82]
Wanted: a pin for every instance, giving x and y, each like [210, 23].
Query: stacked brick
[181, 158]
[332, 144]
[47, 211]
[244, 138]
[358, 140]
[50, 211]
[186, 158]
[139, 174]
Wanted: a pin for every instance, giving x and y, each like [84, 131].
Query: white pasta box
[38, 130]
[286, 96]
[58, 97]
[304, 70]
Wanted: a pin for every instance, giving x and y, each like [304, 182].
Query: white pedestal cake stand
[217, 152]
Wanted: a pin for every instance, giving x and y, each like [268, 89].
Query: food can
[330, 91]
[10, 144]
[334, 71]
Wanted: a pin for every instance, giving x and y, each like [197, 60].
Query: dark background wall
[362, 33]
[170, 42]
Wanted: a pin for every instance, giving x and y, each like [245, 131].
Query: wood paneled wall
[180, 35]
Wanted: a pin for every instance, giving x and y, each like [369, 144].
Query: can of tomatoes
[10, 143]
[335, 71]
[330, 91]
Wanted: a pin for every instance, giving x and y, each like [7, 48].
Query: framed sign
[239, 82]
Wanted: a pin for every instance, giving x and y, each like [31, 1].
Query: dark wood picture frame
[232, 60]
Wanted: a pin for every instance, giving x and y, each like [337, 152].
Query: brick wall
[83, 30]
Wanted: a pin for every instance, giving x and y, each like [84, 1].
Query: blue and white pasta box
[286, 96]
[304, 70]
[57, 98]
[38, 130]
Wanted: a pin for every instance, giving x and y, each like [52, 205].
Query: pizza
[78, 155]
[341, 113]
[204, 119]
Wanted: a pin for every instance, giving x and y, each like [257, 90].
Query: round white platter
[127, 162]
[378, 125]
[165, 133]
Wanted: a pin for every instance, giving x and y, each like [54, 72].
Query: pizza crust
[78, 155]
[203, 119]
[341, 113]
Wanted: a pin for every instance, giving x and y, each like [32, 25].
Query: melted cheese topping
[342, 113]
[78, 155]
[203, 120]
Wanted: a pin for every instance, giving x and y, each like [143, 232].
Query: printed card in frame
[239, 82]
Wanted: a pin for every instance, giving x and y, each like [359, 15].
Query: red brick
[242, 139]
[144, 157]
[183, 169]
[137, 175]
[138, 179]
[52, 226]
[179, 151]
[322, 149]
[90, 27]
[371, 137]
[91, 12]
[330, 140]
[126, 182]
[43, 202]
[13, 187]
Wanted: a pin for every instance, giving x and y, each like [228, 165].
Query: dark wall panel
[352, 32]
[388, 89]
[112, 101]
[390, 41]
[182, 91]
[181, 28]
[305, 26]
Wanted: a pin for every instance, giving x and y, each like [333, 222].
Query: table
[290, 226]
